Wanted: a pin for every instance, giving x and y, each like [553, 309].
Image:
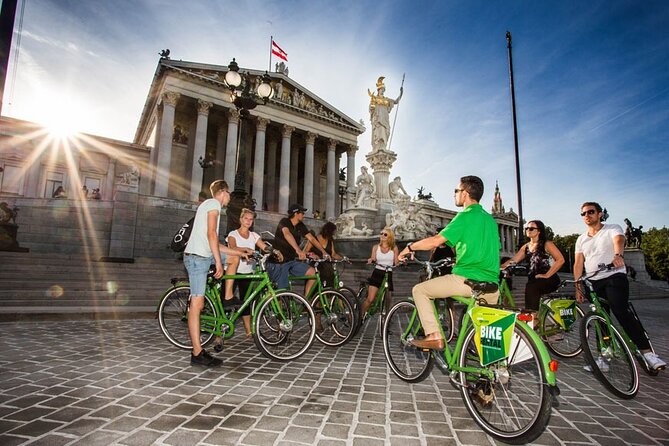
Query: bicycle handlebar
[601, 267]
[514, 268]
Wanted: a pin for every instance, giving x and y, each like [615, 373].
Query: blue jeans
[198, 267]
[279, 272]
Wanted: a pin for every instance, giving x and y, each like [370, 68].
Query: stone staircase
[33, 283]
[72, 285]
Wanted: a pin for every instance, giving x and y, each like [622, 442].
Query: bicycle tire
[409, 363]
[564, 343]
[351, 296]
[622, 376]
[335, 323]
[515, 406]
[173, 317]
[284, 326]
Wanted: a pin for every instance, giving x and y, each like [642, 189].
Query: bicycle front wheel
[564, 343]
[173, 318]
[610, 359]
[409, 363]
[284, 326]
[350, 295]
[335, 321]
[508, 398]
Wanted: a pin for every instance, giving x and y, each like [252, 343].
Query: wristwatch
[409, 247]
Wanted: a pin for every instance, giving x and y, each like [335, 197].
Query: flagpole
[271, 39]
[392, 131]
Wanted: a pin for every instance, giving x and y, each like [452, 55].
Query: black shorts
[377, 277]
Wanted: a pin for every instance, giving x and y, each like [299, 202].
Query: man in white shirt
[203, 250]
[605, 243]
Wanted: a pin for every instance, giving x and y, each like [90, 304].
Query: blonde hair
[246, 211]
[391, 237]
[218, 186]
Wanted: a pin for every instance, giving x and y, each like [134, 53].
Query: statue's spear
[392, 131]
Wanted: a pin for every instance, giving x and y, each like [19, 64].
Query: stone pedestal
[8, 241]
[124, 219]
[381, 162]
[634, 258]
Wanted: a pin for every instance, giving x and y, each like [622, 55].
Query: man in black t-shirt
[287, 239]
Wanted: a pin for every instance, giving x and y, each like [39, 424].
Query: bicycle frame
[261, 290]
[597, 307]
[450, 357]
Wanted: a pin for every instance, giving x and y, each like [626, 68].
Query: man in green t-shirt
[473, 234]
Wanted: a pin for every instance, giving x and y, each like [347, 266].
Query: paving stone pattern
[121, 383]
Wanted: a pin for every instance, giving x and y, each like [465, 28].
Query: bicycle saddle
[481, 287]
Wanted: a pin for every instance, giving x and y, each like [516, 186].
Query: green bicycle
[607, 348]
[334, 313]
[557, 319]
[381, 303]
[282, 322]
[504, 373]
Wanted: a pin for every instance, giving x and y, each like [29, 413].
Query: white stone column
[164, 159]
[350, 175]
[350, 166]
[231, 148]
[284, 171]
[200, 148]
[259, 161]
[331, 180]
[108, 192]
[293, 180]
[220, 153]
[309, 174]
[270, 195]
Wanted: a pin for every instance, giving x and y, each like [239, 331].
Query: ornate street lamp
[241, 92]
[245, 97]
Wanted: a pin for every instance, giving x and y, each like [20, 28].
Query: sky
[591, 84]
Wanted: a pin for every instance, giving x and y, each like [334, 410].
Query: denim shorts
[198, 267]
[279, 272]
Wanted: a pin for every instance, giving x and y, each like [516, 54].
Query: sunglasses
[529, 228]
[385, 234]
[458, 190]
[588, 212]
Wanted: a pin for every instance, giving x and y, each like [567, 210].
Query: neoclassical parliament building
[116, 199]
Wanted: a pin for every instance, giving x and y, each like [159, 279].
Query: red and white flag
[278, 52]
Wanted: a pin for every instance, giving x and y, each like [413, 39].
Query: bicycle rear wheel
[564, 343]
[409, 363]
[609, 357]
[284, 326]
[334, 318]
[511, 403]
[173, 318]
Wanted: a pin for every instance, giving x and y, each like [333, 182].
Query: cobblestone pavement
[121, 382]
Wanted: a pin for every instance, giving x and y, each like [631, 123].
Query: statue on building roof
[165, 54]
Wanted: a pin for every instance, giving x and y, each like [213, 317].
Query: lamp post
[245, 97]
[515, 142]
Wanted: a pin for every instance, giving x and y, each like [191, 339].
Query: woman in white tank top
[384, 254]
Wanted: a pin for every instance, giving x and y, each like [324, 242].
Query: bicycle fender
[549, 376]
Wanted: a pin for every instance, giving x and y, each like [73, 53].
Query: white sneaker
[601, 364]
[654, 362]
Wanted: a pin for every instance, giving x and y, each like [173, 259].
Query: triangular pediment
[288, 94]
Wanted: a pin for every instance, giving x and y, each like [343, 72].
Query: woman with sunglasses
[384, 254]
[542, 275]
[327, 239]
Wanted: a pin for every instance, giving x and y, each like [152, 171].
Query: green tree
[655, 247]
[566, 244]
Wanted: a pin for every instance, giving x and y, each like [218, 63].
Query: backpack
[180, 239]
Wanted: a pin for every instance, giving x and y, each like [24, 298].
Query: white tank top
[384, 259]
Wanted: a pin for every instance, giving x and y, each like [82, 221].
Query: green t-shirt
[473, 234]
